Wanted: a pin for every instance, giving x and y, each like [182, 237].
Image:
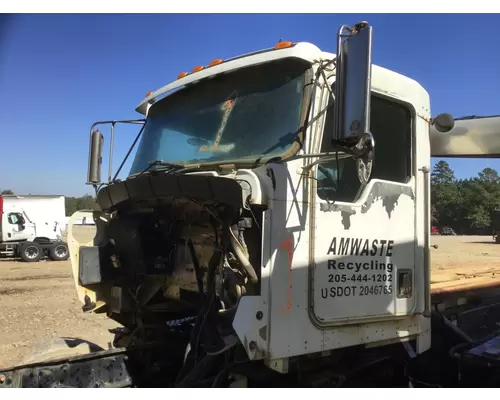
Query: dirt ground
[39, 300]
[464, 252]
[464, 263]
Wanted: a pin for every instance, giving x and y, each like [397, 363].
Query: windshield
[251, 113]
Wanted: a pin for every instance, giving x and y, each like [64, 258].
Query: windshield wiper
[169, 167]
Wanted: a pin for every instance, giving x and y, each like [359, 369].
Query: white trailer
[31, 227]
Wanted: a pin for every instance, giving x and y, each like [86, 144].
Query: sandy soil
[463, 263]
[39, 300]
[464, 252]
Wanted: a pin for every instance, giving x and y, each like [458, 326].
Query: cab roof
[383, 80]
[302, 50]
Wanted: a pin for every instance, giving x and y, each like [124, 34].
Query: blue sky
[60, 73]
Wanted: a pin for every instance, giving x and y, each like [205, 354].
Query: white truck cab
[17, 226]
[342, 253]
[31, 229]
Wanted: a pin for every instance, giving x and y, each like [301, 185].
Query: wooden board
[459, 282]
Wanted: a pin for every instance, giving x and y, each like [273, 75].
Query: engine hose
[197, 269]
[238, 291]
[242, 258]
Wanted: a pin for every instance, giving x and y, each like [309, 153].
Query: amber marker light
[283, 45]
[216, 62]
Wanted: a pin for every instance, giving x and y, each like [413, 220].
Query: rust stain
[428, 120]
[287, 245]
[228, 105]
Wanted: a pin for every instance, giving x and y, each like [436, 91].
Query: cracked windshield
[248, 114]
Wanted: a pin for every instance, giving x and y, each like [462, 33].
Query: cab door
[364, 238]
[13, 226]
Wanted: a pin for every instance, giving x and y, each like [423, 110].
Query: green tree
[466, 205]
[86, 202]
[6, 192]
[442, 173]
[445, 196]
[434, 214]
[489, 175]
[475, 209]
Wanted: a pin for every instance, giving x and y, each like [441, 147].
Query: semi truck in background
[274, 231]
[32, 227]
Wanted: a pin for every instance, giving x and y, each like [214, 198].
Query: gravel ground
[39, 300]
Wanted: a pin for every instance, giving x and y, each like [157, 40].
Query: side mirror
[354, 67]
[443, 122]
[95, 158]
[352, 95]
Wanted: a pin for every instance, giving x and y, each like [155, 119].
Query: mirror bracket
[96, 149]
[365, 157]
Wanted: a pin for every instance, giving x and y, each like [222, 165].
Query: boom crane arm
[474, 137]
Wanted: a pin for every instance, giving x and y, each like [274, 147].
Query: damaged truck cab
[273, 211]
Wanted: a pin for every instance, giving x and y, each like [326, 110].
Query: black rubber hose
[197, 268]
[192, 357]
[242, 258]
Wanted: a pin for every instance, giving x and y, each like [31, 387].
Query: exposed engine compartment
[175, 262]
[179, 249]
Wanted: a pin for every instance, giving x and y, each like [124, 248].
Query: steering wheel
[327, 173]
[330, 191]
